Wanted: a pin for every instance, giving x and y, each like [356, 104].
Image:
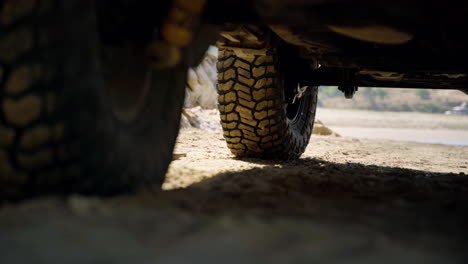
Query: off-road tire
[59, 132]
[253, 105]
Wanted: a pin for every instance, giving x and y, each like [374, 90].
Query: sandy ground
[345, 201]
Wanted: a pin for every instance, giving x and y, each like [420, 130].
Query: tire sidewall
[116, 156]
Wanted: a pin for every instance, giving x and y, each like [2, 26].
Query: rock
[176, 156]
[189, 119]
[201, 94]
[201, 84]
[321, 129]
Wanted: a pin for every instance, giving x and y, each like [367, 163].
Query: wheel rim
[290, 86]
[293, 110]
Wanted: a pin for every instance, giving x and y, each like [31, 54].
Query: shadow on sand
[400, 200]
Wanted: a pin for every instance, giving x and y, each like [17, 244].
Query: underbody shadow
[369, 194]
[318, 178]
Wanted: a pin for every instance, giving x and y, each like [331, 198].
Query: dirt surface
[345, 201]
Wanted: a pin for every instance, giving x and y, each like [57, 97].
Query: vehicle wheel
[81, 112]
[257, 115]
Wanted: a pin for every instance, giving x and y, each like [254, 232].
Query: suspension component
[175, 33]
[348, 90]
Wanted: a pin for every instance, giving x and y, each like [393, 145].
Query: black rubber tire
[254, 109]
[59, 131]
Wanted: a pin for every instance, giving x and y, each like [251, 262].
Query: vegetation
[423, 94]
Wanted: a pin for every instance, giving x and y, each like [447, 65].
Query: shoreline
[439, 136]
[416, 120]
[399, 126]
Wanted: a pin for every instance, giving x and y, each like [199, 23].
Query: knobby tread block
[61, 135]
[30, 134]
[252, 109]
